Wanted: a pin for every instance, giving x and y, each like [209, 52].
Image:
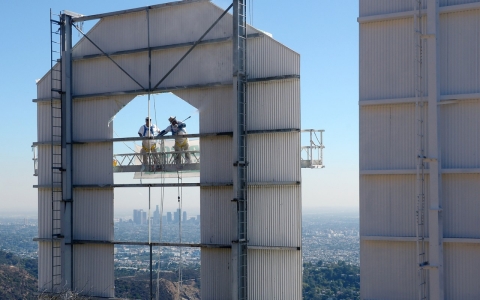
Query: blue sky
[325, 33]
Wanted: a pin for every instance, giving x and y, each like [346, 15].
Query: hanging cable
[180, 198]
[162, 198]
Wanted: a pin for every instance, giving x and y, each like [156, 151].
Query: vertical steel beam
[239, 252]
[435, 221]
[67, 209]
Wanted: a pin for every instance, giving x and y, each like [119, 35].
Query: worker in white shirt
[177, 128]
[149, 145]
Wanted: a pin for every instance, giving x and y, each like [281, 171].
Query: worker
[149, 145]
[177, 128]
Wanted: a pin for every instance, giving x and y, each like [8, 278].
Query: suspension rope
[180, 198]
[162, 198]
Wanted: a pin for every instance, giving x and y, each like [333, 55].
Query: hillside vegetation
[18, 280]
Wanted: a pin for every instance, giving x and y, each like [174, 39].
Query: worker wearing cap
[148, 145]
[177, 128]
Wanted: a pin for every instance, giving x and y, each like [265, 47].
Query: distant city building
[137, 216]
[176, 215]
[169, 217]
[156, 216]
[185, 219]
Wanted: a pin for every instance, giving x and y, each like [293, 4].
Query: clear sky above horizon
[325, 33]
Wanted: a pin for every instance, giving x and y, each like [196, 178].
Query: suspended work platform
[164, 161]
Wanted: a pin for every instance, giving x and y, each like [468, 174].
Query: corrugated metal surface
[45, 164]
[273, 157]
[274, 105]
[102, 75]
[388, 205]
[44, 213]
[387, 141]
[217, 161]
[44, 123]
[216, 274]
[168, 25]
[270, 279]
[187, 23]
[459, 61]
[267, 57]
[214, 105]
[378, 7]
[93, 270]
[93, 214]
[43, 85]
[91, 116]
[462, 270]
[455, 2]
[385, 272]
[207, 63]
[218, 214]
[386, 59]
[461, 204]
[44, 266]
[92, 163]
[387, 137]
[125, 32]
[460, 135]
[275, 216]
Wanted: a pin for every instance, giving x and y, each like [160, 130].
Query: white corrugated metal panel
[93, 270]
[275, 216]
[274, 157]
[460, 135]
[462, 270]
[387, 137]
[187, 23]
[455, 2]
[45, 164]
[217, 161]
[43, 85]
[459, 59]
[388, 270]
[218, 214]
[387, 59]
[267, 57]
[44, 123]
[216, 274]
[273, 105]
[44, 213]
[379, 7]
[274, 274]
[44, 266]
[93, 214]
[115, 33]
[91, 116]
[168, 25]
[100, 74]
[215, 106]
[92, 163]
[209, 63]
[388, 205]
[461, 204]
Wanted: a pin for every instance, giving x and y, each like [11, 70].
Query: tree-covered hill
[331, 281]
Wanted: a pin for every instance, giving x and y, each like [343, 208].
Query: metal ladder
[420, 111]
[241, 197]
[56, 148]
